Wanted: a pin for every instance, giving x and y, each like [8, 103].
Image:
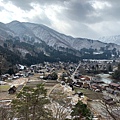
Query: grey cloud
[51, 1]
[112, 14]
[26, 4]
[80, 10]
[23, 4]
[79, 14]
[114, 2]
[82, 30]
[106, 14]
[44, 20]
[1, 8]
[77, 10]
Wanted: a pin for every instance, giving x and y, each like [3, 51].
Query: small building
[80, 94]
[79, 84]
[5, 77]
[96, 87]
[87, 78]
[97, 81]
[104, 86]
[114, 85]
[12, 90]
[108, 100]
[93, 87]
[86, 85]
[109, 90]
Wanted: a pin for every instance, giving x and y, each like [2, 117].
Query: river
[105, 78]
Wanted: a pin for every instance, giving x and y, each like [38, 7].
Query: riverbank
[107, 78]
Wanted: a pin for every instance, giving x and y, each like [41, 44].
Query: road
[73, 74]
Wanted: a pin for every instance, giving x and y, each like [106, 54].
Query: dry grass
[5, 95]
[4, 88]
[90, 94]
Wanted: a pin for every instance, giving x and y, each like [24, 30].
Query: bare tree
[60, 105]
[112, 111]
[6, 113]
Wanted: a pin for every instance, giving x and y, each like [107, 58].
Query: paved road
[72, 76]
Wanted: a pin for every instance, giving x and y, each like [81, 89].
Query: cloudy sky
[79, 18]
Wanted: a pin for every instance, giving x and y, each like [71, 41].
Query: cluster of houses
[81, 80]
[92, 66]
[114, 88]
[92, 82]
[24, 71]
[45, 71]
[95, 83]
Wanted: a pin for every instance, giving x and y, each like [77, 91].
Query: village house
[110, 90]
[79, 84]
[104, 86]
[12, 90]
[114, 86]
[108, 100]
[86, 85]
[5, 77]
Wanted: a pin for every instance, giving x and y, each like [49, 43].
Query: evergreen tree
[54, 76]
[81, 111]
[30, 104]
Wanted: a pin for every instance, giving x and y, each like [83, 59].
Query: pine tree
[80, 111]
[30, 104]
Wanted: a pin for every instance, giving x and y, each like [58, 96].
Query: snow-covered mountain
[29, 43]
[48, 35]
[5, 31]
[41, 33]
[37, 33]
[111, 39]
